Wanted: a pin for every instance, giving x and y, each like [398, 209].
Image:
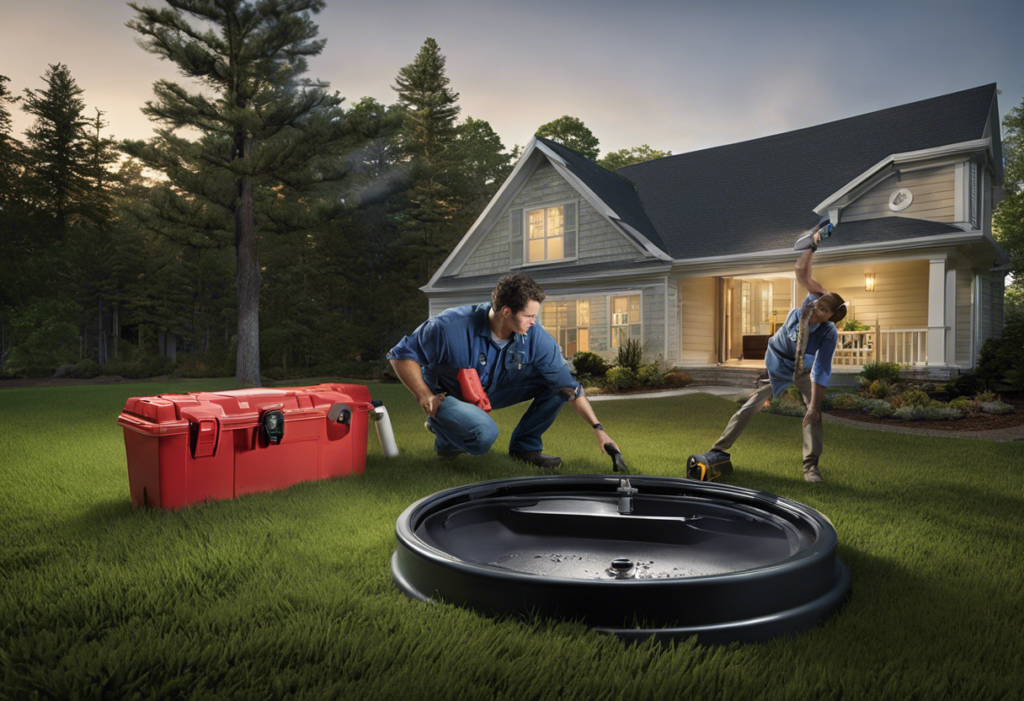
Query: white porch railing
[903, 346]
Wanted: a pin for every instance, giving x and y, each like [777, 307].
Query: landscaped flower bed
[884, 398]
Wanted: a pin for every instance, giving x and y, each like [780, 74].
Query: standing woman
[809, 332]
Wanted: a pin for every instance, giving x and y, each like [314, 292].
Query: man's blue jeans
[462, 426]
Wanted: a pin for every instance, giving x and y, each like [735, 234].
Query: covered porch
[920, 313]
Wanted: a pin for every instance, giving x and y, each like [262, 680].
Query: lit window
[545, 234]
[568, 322]
[625, 319]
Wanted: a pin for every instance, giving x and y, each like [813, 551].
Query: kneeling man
[516, 360]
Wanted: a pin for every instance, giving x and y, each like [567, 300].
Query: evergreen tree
[10, 149]
[1008, 221]
[55, 148]
[268, 132]
[572, 133]
[428, 132]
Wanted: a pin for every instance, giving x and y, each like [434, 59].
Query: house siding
[597, 240]
[964, 282]
[934, 191]
[991, 292]
[697, 320]
[900, 297]
[654, 322]
[672, 320]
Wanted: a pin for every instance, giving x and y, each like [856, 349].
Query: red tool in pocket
[472, 389]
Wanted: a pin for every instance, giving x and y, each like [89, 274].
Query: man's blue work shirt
[821, 343]
[461, 338]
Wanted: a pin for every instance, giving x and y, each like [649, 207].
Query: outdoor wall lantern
[869, 282]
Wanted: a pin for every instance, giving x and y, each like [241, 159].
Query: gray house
[693, 255]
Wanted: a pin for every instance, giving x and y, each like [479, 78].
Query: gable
[501, 248]
[931, 191]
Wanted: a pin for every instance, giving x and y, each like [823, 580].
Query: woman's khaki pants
[739, 421]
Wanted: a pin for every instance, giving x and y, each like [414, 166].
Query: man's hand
[603, 438]
[812, 416]
[431, 403]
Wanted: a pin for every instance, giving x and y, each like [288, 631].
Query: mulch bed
[978, 422]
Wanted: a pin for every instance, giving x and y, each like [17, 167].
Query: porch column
[941, 312]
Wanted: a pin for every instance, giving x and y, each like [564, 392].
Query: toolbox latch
[202, 437]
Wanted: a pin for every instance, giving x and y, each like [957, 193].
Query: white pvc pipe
[385, 434]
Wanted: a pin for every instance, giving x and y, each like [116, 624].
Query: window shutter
[569, 223]
[515, 238]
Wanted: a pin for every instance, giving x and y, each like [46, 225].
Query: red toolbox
[188, 448]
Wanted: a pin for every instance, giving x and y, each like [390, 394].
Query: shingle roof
[759, 195]
[614, 190]
[555, 274]
[885, 229]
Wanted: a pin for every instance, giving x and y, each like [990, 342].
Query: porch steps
[724, 375]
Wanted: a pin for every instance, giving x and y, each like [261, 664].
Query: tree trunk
[248, 276]
[117, 330]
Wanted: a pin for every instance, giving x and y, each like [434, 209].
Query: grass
[289, 594]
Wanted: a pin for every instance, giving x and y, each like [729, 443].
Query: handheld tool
[824, 228]
[618, 464]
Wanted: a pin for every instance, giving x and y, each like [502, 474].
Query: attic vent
[900, 199]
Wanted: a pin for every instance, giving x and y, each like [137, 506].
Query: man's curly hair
[515, 291]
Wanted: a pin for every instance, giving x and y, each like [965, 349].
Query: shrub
[194, 365]
[41, 338]
[878, 389]
[845, 401]
[854, 325]
[915, 397]
[873, 406]
[881, 410]
[785, 408]
[592, 364]
[928, 413]
[966, 385]
[888, 372]
[621, 378]
[84, 369]
[965, 404]
[795, 395]
[986, 396]
[1002, 359]
[631, 354]
[677, 379]
[650, 375]
[996, 407]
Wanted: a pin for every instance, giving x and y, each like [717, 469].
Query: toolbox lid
[170, 414]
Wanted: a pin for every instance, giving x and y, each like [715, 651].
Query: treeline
[124, 258]
[267, 229]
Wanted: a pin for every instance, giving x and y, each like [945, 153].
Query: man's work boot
[535, 457]
[449, 454]
[811, 474]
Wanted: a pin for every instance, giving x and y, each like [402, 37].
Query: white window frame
[643, 316]
[563, 299]
[526, 233]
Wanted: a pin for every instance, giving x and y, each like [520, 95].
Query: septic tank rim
[824, 544]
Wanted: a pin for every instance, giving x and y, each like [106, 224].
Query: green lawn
[289, 593]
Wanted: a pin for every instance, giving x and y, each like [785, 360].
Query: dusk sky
[678, 76]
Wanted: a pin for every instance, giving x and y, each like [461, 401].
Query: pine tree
[10, 149]
[428, 132]
[265, 127]
[55, 149]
